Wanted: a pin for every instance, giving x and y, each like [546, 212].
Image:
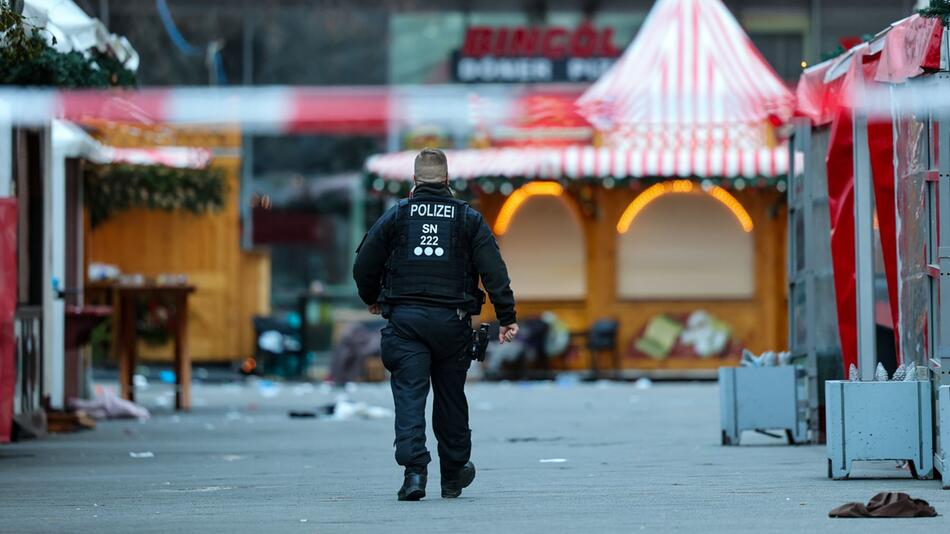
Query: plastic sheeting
[8, 292]
[826, 329]
[912, 158]
[911, 46]
[881, 148]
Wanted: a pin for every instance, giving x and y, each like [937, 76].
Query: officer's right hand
[375, 309]
[507, 333]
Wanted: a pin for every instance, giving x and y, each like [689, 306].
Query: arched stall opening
[687, 275]
[542, 240]
[678, 241]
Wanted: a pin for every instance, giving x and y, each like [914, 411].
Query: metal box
[879, 421]
[763, 398]
[942, 457]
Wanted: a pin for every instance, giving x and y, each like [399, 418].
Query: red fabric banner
[881, 148]
[840, 167]
[8, 293]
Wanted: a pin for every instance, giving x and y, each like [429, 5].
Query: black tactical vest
[431, 258]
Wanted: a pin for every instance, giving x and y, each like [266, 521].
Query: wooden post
[127, 345]
[182, 357]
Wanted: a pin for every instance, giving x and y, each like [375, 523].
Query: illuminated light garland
[531, 189]
[682, 186]
[729, 201]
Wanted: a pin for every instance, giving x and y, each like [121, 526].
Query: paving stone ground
[626, 460]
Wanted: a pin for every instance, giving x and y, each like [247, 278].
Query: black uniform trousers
[419, 343]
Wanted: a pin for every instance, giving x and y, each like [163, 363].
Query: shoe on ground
[452, 485]
[413, 487]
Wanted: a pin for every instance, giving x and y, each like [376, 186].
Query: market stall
[671, 220]
[884, 165]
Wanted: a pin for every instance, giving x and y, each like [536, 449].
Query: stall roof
[690, 69]
[74, 142]
[590, 162]
[907, 48]
[691, 96]
[69, 28]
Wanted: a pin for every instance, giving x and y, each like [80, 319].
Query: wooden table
[123, 298]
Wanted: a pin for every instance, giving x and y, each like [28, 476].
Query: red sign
[552, 42]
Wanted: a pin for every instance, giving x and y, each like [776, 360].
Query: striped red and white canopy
[591, 162]
[691, 79]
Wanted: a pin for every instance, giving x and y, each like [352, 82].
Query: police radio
[479, 343]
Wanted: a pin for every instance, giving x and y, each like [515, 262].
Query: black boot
[413, 486]
[452, 483]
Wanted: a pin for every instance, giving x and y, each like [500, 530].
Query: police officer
[420, 265]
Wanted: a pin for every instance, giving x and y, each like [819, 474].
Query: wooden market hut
[232, 284]
[677, 206]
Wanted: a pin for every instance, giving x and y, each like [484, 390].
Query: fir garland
[937, 9]
[110, 189]
[27, 59]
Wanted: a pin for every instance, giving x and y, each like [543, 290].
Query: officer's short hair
[431, 166]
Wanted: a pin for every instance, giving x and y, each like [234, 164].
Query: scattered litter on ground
[532, 439]
[233, 416]
[167, 376]
[232, 457]
[267, 389]
[233, 389]
[343, 410]
[350, 387]
[146, 454]
[553, 460]
[205, 489]
[566, 380]
[300, 390]
[886, 504]
[643, 383]
[109, 406]
[303, 520]
[201, 373]
[326, 388]
[140, 382]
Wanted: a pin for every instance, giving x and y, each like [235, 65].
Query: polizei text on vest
[445, 211]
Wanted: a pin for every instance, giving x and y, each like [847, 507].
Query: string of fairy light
[506, 185]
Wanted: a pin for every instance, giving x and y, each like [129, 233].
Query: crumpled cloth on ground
[886, 504]
[109, 406]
